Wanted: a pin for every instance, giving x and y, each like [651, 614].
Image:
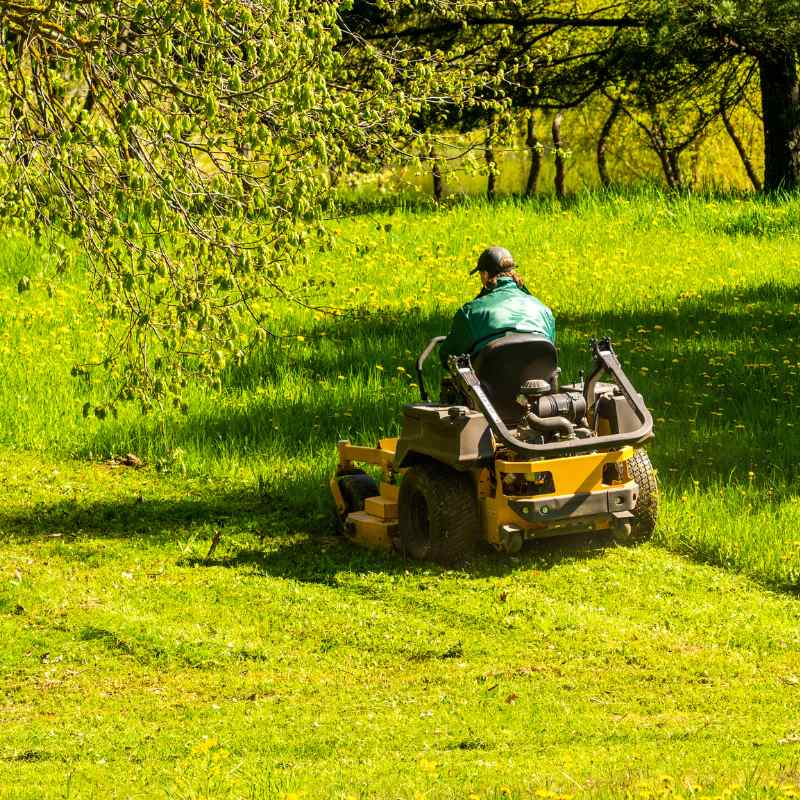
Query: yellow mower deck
[583, 475]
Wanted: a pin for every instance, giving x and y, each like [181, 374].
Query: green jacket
[493, 313]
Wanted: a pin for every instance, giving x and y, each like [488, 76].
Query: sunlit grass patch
[287, 662]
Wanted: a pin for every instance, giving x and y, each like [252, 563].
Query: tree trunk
[536, 157]
[666, 166]
[557, 144]
[737, 143]
[673, 157]
[780, 103]
[666, 155]
[436, 173]
[491, 181]
[602, 167]
[694, 163]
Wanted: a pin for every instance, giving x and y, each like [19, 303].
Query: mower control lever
[423, 357]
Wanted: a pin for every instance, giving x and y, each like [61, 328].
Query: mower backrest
[506, 363]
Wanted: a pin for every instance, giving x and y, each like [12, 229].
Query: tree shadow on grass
[289, 545]
[717, 370]
[159, 520]
[344, 345]
[321, 559]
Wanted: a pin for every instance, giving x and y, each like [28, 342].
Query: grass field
[288, 664]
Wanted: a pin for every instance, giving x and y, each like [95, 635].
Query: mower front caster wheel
[438, 512]
[356, 488]
[645, 513]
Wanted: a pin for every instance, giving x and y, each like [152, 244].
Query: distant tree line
[673, 67]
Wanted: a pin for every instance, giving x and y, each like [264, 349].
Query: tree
[731, 36]
[185, 146]
[535, 147]
[560, 155]
[602, 142]
[556, 54]
[462, 94]
[671, 122]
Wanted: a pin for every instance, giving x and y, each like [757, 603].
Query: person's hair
[507, 273]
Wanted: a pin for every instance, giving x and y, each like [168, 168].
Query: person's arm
[459, 340]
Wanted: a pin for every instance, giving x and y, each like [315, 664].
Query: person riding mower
[507, 455]
[504, 305]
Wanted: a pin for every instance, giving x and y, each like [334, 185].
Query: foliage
[186, 146]
[668, 58]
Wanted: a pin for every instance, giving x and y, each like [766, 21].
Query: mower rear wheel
[438, 511]
[645, 513]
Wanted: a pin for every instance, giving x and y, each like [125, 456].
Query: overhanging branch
[513, 22]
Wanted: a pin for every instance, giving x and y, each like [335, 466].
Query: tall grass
[700, 295]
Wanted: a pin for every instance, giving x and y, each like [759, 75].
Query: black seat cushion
[506, 363]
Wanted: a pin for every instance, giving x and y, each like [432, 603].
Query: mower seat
[506, 363]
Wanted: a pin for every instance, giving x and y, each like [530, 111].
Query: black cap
[494, 260]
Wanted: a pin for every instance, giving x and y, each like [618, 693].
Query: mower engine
[550, 416]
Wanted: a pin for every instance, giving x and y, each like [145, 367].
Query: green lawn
[287, 663]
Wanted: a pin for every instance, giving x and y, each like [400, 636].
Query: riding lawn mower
[507, 455]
